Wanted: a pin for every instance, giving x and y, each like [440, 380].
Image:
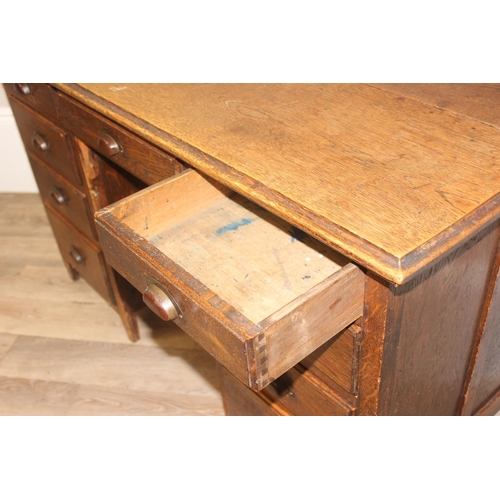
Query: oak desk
[393, 189]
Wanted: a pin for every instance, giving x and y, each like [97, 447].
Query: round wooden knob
[23, 88]
[108, 145]
[39, 142]
[160, 302]
[281, 387]
[58, 196]
[76, 255]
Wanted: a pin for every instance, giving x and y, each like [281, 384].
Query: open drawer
[253, 291]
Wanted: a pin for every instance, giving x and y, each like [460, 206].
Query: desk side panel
[422, 335]
[483, 392]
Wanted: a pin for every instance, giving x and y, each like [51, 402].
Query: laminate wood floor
[63, 350]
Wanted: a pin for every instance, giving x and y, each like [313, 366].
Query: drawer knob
[108, 145]
[281, 387]
[161, 303]
[76, 255]
[58, 196]
[23, 88]
[39, 142]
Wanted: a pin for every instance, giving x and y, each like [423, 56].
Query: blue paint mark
[234, 226]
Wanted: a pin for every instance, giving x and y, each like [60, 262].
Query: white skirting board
[15, 171]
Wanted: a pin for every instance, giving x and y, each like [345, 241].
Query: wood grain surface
[62, 347]
[240, 401]
[58, 154]
[40, 98]
[253, 260]
[478, 102]
[299, 393]
[336, 361]
[140, 158]
[419, 337]
[485, 377]
[250, 258]
[392, 182]
[74, 207]
[91, 265]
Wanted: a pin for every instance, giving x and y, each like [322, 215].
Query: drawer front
[240, 401]
[135, 155]
[173, 243]
[337, 360]
[64, 198]
[46, 141]
[80, 255]
[36, 95]
[300, 394]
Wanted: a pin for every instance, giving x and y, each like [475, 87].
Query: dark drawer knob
[23, 88]
[76, 255]
[58, 196]
[281, 387]
[39, 142]
[108, 145]
[161, 303]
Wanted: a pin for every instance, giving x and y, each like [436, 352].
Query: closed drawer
[36, 95]
[298, 393]
[46, 141]
[64, 198]
[135, 155]
[240, 401]
[253, 291]
[337, 360]
[80, 254]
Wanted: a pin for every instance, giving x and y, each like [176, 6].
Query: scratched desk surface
[391, 176]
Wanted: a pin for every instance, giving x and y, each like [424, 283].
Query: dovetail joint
[261, 365]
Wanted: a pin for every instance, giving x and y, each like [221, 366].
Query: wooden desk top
[393, 176]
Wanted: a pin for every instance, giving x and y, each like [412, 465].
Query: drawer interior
[252, 259]
[251, 289]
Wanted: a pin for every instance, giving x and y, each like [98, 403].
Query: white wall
[3, 98]
[15, 170]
